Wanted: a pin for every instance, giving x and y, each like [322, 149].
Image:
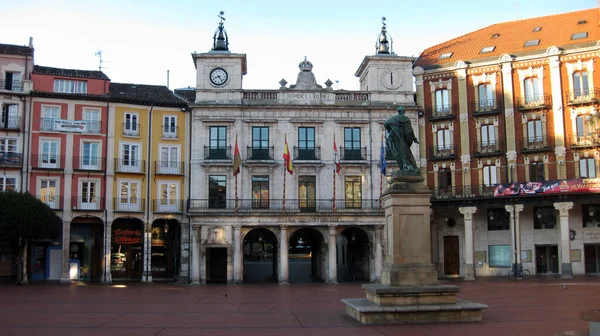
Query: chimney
[31, 38]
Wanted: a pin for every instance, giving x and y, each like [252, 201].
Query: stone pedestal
[409, 291]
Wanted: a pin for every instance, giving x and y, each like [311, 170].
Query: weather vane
[221, 13]
[383, 21]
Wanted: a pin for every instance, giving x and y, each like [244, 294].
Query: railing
[590, 95]
[276, 205]
[353, 154]
[130, 166]
[260, 95]
[16, 86]
[489, 148]
[52, 201]
[587, 140]
[11, 124]
[11, 159]
[461, 192]
[131, 129]
[47, 124]
[87, 203]
[129, 204]
[309, 154]
[88, 163]
[47, 161]
[168, 167]
[93, 126]
[167, 206]
[442, 112]
[217, 153]
[536, 144]
[535, 102]
[443, 152]
[261, 153]
[170, 131]
[349, 96]
[485, 107]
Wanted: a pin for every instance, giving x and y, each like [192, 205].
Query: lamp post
[517, 267]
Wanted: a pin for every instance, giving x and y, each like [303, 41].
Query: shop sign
[127, 237]
[578, 185]
[69, 125]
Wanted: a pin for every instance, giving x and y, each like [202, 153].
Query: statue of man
[399, 139]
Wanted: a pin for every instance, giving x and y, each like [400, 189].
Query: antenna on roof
[99, 54]
[517, 8]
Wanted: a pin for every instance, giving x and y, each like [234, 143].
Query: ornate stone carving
[216, 235]
[468, 212]
[506, 58]
[306, 79]
[463, 117]
[417, 71]
[460, 64]
[508, 112]
[563, 208]
[465, 159]
[560, 151]
[511, 155]
[553, 51]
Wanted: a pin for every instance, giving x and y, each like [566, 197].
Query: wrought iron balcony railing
[11, 124]
[533, 102]
[444, 152]
[353, 153]
[130, 166]
[265, 153]
[52, 201]
[536, 144]
[486, 107]
[11, 85]
[168, 167]
[218, 205]
[167, 206]
[129, 204]
[217, 153]
[47, 161]
[489, 148]
[308, 154]
[89, 163]
[442, 112]
[81, 203]
[170, 132]
[11, 159]
[93, 126]
[463, 192]
[585, 140]
[586, 96]
[131, 129]
[47, 124]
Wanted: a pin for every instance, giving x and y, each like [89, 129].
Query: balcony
[130, 166]
[168, 167]
[489, 148]
[47, 161]
[11, 85]
[446, 152]
[307, 154]
[442, 112]
[353, 153]
[88, 163]
[534, 102]
[585, 141]
[87, 203]
[463, 192]
[11, 159]
[167, 206]
[93, 126]
[52, 201]
[537, 144]
[11, 124]
[131, 129]
[261, 154]
[486, 107]
[293, 206]
[129, 204]
[582, 97]
[217, 153]
[170, 132]
[47, 124]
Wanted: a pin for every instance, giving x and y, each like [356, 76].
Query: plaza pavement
[534, 306]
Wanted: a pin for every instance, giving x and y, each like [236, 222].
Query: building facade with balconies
[509, 142]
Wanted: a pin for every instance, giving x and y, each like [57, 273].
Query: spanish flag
[237, 159]
[287, 158]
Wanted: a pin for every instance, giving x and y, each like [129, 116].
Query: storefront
[165, 249]
[85, 248]
[45, 260]
[126, 249]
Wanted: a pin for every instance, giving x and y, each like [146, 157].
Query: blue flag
[382, 159]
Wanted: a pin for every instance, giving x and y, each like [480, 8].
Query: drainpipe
[371, 153]
[148, 209]
[29, 136]
[24, 100]
[106, 242]
[189, 177]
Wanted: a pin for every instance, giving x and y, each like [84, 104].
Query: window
[48, 193]
[8, 145]
[218, 142]
[488, 137]
[532, 90]
[49, 114]
[500, 256]
[217, 192]
[445, 179]
[591, 215]
[168, 197]
[260, 143]
[128, 200]
[536, 172]
[544, 218]
[587, 168]
[444, 141]
[131, 125]
[353, 192]
[12, 81]
[352, 144]
[490, 176]
[92, 117]
[445, 55]
[306, 143]
[49, 156]
[486, 97]
[487, 49]
[88, 196]
[531, 43]
[537, 29]
[170, 127]
[582, 127]
[130, 162]
[90, 155]
[578, 36]
[442, 101]
[534, 133]
[169, 160]
[70, 86]
[307, 193]
[10, 116]
[581, 87]
[260, 192]
[8, 183]
[498, 219]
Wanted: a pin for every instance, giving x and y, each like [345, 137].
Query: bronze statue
[400, 137]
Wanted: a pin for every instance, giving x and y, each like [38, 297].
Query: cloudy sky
[141, 40]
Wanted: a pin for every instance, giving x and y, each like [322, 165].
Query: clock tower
[386, 75]
[219, 72]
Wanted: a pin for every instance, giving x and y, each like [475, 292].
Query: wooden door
[451, 255]
[217, 264]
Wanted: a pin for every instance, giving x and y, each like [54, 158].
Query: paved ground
[535, 306]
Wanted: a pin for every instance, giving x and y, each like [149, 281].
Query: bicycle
[519, 274]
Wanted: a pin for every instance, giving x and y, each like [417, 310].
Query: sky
[142, 40]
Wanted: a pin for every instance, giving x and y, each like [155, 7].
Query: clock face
[391, 79]
[219, 76]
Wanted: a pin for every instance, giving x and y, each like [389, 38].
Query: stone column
[467, 213]
[509, 114]
[283, 256]
[147, 254]
[195, 264]
[332, 276]
[463, 104]
[556, 87]
[378, 252]
[237, 255]
[65, 277]
[106, 274]
[566, 270]
[515, 231]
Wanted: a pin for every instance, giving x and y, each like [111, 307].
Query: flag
[382, 158]
[237, 159]
[338, 165]
[288, 160]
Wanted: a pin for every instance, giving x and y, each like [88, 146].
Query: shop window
[500, 256]
[590, 214]
[544, 218]
[498, 219]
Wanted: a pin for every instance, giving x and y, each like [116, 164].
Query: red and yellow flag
[237, 159]
[287, 158]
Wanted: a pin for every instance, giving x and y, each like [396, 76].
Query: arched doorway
[127, 253]
[165, 249]
[260, 256]
[307, 256]
[353, 255]
[86, 246]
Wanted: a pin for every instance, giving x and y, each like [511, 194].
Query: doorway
[165, 249]
[591, 253]
[85, 247]
[307, 258]
[126, 249]
[260, 256]
[353, 255]
[451, 255]
[546, 259]
[216, 260]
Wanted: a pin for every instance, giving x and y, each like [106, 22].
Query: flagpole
[334, 171]
[381, 177]
[284, 177]
[236, 181]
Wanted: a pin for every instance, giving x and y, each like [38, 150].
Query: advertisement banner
[62, 125]
[578, 185]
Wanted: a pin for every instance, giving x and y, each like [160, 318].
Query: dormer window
[531, 43]
[580, 22]
[578, 36]
[70, 86]
[487, 49]
[537, 29]
[446, 55]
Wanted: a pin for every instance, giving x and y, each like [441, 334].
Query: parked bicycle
[519, 273]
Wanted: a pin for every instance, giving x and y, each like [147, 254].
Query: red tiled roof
[510, 37]
[89, 74]
[11, 49]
